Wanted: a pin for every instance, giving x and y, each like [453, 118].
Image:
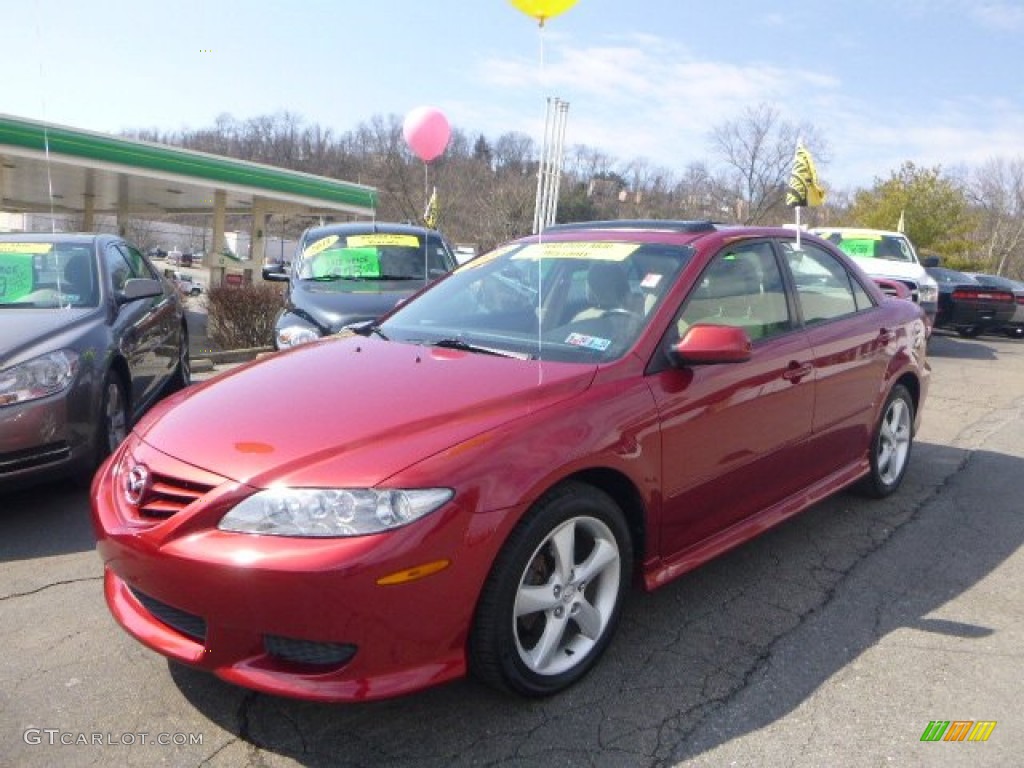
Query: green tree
[934, 207]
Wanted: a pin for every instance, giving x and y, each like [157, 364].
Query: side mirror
[711, 345]
[892, 287]
[139, 288]
[931, 261]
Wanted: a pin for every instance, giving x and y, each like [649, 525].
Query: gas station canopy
[49, 168]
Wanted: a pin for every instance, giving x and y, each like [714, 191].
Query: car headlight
[929, 289]
[294, 334]
[331, 512]
[39, 377]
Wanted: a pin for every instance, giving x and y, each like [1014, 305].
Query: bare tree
[996, 191]
[758, 149]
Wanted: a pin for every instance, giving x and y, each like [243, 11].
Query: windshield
[873, 246]
[374, 256]
[564, 301]
[41, 275]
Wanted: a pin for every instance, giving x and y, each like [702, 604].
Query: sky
[933, 82]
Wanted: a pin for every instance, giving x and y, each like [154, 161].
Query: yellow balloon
[542, 10]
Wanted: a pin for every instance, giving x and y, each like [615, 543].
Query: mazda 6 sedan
[475, 482]
[90, 337]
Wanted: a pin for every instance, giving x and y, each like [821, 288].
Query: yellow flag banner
[804, 189]
[433, 212]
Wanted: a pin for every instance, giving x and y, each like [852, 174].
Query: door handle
[796, 371]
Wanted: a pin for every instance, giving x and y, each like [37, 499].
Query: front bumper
[38, 440]
[304, 618]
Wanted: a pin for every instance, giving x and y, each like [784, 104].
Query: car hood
[350, 410]
[333, 305]
[905, 270]
[27, 332]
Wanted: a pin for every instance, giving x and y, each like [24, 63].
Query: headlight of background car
[929, 289]
[39, 377]
[331, 512]
[295, 332]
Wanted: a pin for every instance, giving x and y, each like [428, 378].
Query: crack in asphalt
[45, 587]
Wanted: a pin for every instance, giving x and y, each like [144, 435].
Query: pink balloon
[426, 131]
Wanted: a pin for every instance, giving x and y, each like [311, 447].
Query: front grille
[40, 456]
[169, 495]
[188, 624]
[307, 651]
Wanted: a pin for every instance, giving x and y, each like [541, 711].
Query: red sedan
[475, 482]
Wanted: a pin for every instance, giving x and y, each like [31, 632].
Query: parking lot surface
[833, 640]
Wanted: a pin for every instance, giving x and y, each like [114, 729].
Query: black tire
[891, 445]
[113, 422]
[970, 333]
[183, 372]
[553, 601]
[1015, 332]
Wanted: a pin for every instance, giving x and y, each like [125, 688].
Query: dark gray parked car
[90, 336]
[1015, 327]
[352, 273]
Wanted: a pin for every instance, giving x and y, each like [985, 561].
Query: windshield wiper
[453, 343]
[366, 328]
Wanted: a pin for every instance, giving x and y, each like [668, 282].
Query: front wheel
[890, 447]
[970, 333]
[1015, 332]
[554, 596]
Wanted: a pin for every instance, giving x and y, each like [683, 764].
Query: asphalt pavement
[834, 640]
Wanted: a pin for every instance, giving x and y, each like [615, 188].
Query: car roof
[368, 228]
[54, 237]
[685, 232]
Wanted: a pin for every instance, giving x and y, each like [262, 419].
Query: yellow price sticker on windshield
[364, 241]
[320, 245]
[26, 247]
[602, 251]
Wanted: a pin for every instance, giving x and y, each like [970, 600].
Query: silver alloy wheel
[567, 596]
[894, 441]
[115, 419]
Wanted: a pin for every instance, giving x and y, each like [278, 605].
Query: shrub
[242, 317]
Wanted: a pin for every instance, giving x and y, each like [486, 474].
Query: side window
[741, 287]
[118, 267]
[138, 264]
[825, 288]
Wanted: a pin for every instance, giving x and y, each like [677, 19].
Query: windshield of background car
[579, 301]
[873, 246]
[43, 275]
[372, 256]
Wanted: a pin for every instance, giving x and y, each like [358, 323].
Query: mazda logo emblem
[136, 483]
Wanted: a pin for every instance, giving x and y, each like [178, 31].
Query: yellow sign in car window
[363, 241]
[26, 247]
[600, 251]
[15, 275]
[320, 245]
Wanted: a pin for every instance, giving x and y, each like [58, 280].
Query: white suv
[890, 255]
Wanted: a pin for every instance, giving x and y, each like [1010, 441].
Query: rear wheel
[969, 333]
[890, 447]
[1015, 332]
[553, 599]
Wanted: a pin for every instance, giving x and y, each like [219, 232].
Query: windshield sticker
[362, 241]
[15, 275]
[26, 247]
[320, 245]
[486, 258]
[347, 262]
[651, 280]
[598, 251]
[859, 247]
[590, 342]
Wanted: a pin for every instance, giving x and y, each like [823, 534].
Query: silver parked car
[91, 336]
